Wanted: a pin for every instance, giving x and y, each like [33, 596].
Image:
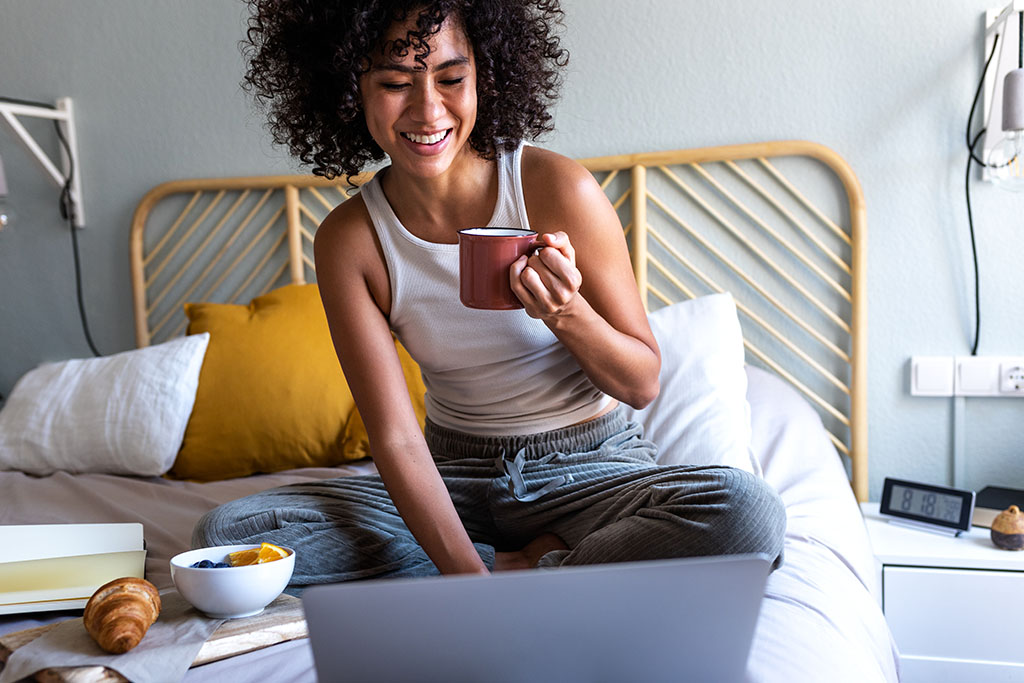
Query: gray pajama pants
[595, 485]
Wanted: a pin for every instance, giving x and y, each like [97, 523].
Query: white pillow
[119, 414]
[701, 416]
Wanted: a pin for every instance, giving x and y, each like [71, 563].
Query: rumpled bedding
[819, 620]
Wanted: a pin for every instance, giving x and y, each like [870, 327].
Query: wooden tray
[281, 621]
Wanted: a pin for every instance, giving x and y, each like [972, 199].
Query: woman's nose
[427, 105]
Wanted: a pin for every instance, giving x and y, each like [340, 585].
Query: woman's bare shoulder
[347, 224]
[559, 190]
[546, 168]
[554, 183]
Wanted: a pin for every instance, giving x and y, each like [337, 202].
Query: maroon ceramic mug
[485, 255]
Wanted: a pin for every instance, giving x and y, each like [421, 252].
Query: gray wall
[886, 84]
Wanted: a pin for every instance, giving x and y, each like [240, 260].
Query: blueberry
[221, 565]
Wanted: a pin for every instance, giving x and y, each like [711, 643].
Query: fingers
[548, 280]
[560, 241]
[515, 280]
[556, 271]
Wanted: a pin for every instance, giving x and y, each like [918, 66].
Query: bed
[750, 259]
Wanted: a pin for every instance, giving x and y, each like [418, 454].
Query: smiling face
[421, 114]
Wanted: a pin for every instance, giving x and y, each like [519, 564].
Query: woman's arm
[354, 287]
[582, 286]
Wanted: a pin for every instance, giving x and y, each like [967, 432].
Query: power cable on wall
[67, 212]
[959, 407]
[973, 158]
[971, 144]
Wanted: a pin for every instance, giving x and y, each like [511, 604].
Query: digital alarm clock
[938, 508]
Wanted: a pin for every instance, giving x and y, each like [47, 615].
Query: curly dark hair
[305, 59]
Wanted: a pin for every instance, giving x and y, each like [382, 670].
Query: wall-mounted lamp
[1003, 148]
[70, 180]
[5, 210]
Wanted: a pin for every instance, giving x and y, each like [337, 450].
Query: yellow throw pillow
[271, 392]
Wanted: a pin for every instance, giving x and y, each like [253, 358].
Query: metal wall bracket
[64, 115]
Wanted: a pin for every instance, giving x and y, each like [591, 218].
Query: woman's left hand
[548, 281]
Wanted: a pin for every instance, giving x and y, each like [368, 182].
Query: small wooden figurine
[1008, 529]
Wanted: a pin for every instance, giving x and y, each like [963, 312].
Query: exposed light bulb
[5, 209]
[1006, 162]
[6, 215]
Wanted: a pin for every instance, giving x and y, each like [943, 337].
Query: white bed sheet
[818, 620]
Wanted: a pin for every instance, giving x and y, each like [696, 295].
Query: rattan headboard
[780, 225]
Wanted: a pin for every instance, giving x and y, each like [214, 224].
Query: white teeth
[426, 139]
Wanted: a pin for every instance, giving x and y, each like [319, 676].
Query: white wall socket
[998, 376]
[1011, 378]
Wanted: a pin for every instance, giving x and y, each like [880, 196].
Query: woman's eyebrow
[403, 68]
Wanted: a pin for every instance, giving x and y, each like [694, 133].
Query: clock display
[927, 503]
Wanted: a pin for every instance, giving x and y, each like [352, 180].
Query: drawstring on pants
[517, 485]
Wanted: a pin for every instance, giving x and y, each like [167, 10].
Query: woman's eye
[452, 81]
[394, 86]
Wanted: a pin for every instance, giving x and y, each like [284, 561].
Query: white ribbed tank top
[486, 372]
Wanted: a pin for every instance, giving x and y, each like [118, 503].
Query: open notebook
[47, 567]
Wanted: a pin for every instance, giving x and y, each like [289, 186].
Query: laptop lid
[665, 620]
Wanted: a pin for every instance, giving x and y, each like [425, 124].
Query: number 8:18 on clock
[929, 504]
[941, 506]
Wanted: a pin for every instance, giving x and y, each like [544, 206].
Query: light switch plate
[931, 375]
[978, 376]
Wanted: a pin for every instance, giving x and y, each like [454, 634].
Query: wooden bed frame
[732, 218]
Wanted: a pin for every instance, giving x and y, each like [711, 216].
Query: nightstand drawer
[955, 613]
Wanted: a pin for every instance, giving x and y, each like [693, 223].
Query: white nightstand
[954, 604]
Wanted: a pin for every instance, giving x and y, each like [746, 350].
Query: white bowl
[230, 592]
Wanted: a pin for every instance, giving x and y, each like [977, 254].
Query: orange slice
[240, 558]
[269, 552]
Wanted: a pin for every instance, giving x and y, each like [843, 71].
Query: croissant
[120, 612]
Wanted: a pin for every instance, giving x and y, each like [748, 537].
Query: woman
[526, 459]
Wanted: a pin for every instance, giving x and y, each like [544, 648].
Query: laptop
[688, 619]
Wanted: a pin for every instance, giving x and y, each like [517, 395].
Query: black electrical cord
[971, 144]
[974, 107]
[971, 157]
[974, 247]
[67, 212]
